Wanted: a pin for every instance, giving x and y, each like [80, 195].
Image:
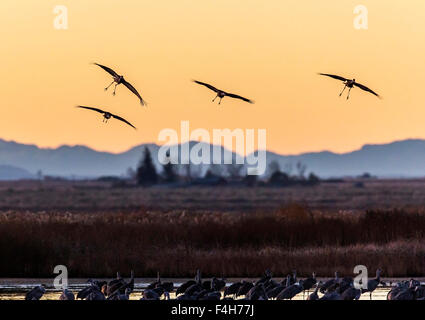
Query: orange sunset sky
[268, 50]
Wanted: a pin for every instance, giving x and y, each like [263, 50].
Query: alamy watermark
[361, 20]
[61, 280]
[362, 278]
[60, 21]
[200, 152]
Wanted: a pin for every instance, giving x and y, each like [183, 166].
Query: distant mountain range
[14, 173]
[20, 161]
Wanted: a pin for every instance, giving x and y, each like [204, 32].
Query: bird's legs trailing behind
[345, 86]
[218, 96]
[115, 88]
[109, 86]
[349, 90]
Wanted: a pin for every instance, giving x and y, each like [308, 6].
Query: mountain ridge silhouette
[404, 158]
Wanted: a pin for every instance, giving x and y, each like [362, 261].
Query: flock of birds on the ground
[266, 288]
[119, 79]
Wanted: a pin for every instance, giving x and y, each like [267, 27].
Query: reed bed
[230, 244]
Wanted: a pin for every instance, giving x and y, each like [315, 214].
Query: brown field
[96, 230]
[99, 196]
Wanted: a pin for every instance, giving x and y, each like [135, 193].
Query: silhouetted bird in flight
[350, 84]
[107, 115]
[221, 94]
[120, 80]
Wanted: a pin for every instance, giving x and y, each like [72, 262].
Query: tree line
[146, 174]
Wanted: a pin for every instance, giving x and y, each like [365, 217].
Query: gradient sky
[269, 51]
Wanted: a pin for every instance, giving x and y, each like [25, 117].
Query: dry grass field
[349, 195]
[96, 230]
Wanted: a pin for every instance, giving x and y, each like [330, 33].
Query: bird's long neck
[198, 276]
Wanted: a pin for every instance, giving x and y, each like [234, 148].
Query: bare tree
[301, 169]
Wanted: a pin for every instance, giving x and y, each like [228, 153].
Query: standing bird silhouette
[118, 79]
[221, 94]
[350, 84]
[67, 295]
[315, 295]
[373, 283]
[331, 282]
[36, 293]
[107, 115]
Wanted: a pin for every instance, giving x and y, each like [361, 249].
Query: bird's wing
[231, 95]
[206, 85]
[108, 70]
[132, 89]
[90, 108]
[366, 89]
[333, 76]
[123, 120]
